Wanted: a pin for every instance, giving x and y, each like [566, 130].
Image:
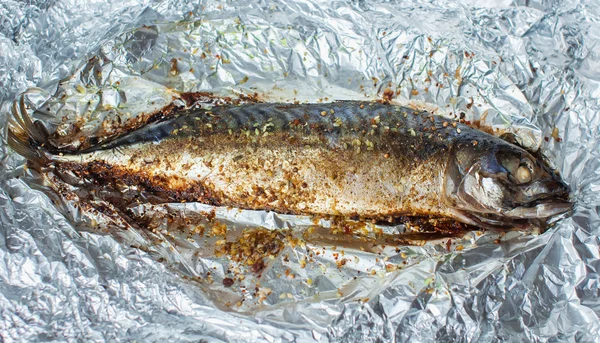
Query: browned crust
[103, 174]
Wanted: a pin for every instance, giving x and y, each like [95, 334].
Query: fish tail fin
[24, 137]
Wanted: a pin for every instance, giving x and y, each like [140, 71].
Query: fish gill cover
[74, 270]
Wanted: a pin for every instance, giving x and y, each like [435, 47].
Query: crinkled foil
[69, 272]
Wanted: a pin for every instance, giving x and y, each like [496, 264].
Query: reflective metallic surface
[70, 272]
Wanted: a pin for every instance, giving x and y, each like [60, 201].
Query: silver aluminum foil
[69, 272]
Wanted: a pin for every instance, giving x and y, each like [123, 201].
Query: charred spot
[431, 225]
[103, 174]
[93, 140]
[258, 267]
[228, 282]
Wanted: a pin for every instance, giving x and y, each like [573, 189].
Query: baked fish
[348, 159]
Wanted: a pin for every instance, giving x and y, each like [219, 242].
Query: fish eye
[523, 174]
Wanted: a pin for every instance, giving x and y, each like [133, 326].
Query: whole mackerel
[350, 159]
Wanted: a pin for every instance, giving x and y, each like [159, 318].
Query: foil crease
[69, 272]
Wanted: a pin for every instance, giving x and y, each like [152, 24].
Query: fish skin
[351, 159]
[330, 120]
[376, 161]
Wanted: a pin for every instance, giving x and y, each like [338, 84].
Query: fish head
[496, 184]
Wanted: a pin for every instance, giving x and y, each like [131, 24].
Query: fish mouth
[539, 204]
[540, 192]
[540, 209]
[538, 215]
